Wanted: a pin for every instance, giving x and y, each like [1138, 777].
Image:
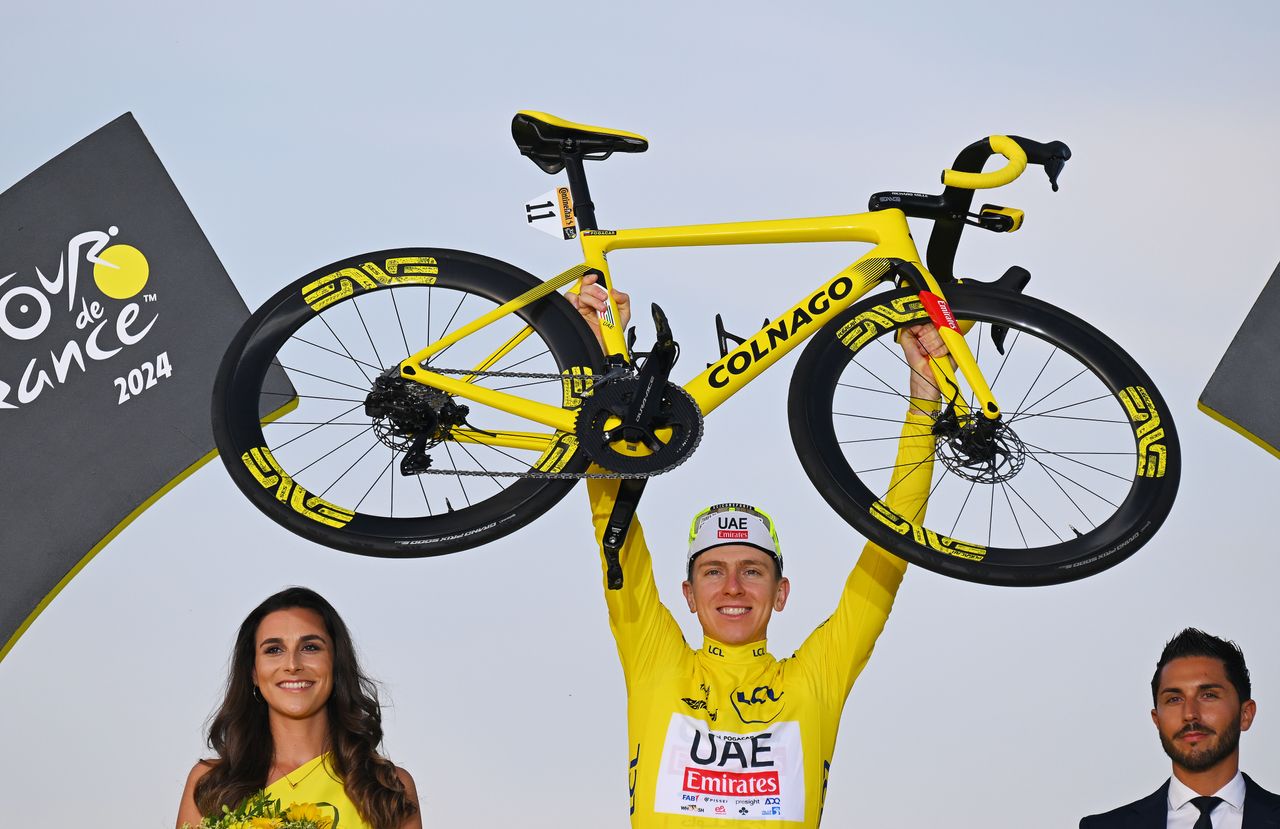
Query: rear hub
[408, 414]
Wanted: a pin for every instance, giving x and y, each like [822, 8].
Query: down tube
[725, 377]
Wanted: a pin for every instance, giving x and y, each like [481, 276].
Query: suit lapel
[1152, 811]
[1261, 807]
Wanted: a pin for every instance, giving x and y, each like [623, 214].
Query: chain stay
[545, 476]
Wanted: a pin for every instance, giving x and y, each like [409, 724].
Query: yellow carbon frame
[945, 375]
[887, 230]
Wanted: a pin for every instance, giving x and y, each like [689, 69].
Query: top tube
[888, 228]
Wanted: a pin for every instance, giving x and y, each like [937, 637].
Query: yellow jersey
[728, 733]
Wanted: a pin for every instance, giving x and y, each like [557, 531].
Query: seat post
[583, 208]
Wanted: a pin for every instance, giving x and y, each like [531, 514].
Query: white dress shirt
[1229, 814]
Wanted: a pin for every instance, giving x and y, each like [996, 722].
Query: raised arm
[643, 628]
[839, 649]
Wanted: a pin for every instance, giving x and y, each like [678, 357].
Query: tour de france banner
[114, 313]
[1244, 391]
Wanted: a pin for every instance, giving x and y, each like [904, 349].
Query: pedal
[661, 326]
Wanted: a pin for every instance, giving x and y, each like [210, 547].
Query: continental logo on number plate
[926, 537]
[1146, 420]
[562, 448]
[267, 472]
[401, 270]
[870, 323]
[577, 385]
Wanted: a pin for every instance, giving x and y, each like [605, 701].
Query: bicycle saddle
[546, 139]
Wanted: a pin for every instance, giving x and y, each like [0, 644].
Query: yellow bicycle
[421, 401]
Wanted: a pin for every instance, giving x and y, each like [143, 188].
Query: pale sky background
[301, 133]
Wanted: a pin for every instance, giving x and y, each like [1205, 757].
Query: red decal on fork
[939, 311]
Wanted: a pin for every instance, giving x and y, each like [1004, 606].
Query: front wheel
[317, 428]
[1078, 473]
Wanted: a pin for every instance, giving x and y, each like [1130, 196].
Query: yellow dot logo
[122, 273]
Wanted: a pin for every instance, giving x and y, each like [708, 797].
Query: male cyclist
[727, 732]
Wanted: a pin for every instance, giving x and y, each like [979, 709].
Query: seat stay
[530, 296]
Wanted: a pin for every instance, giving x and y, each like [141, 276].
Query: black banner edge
[1216, 415]
[127, 115]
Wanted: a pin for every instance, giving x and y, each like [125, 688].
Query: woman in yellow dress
[300, 720]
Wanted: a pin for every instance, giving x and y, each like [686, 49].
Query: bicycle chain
[546, 476]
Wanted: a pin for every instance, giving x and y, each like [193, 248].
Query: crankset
[644, 424]
[638, 426]
[662, 440]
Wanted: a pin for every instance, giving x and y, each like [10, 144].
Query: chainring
[665, 443]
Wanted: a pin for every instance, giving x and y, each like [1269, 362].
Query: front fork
[952, 334]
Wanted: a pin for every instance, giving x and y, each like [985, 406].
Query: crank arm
[653, 375]
[615, 533]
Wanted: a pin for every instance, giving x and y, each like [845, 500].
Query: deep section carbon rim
[316, 426]
[1077, 475]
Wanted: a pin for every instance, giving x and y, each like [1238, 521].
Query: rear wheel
[315, 425]
[1078, 473]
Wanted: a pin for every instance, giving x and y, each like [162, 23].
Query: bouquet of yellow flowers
[261, 812]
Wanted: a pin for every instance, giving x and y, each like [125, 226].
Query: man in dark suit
[1203, 701]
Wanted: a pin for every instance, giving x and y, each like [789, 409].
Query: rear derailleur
[411, 418]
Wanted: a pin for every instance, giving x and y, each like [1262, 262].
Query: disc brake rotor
[403, 410]
[979, 450]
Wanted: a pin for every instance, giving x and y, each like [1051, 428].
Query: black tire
[1095, 477]
[330, 473]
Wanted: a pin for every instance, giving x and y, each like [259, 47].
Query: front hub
[978, 449]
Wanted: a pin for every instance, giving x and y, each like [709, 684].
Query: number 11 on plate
[552, 213]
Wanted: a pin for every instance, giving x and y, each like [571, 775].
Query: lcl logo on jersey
[85, 329]
[760, 704]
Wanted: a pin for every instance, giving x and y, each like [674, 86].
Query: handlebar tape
[1006, 147]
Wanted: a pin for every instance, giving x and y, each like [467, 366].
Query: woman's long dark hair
[241, 737]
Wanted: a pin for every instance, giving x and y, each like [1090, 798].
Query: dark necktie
[1205, 805]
